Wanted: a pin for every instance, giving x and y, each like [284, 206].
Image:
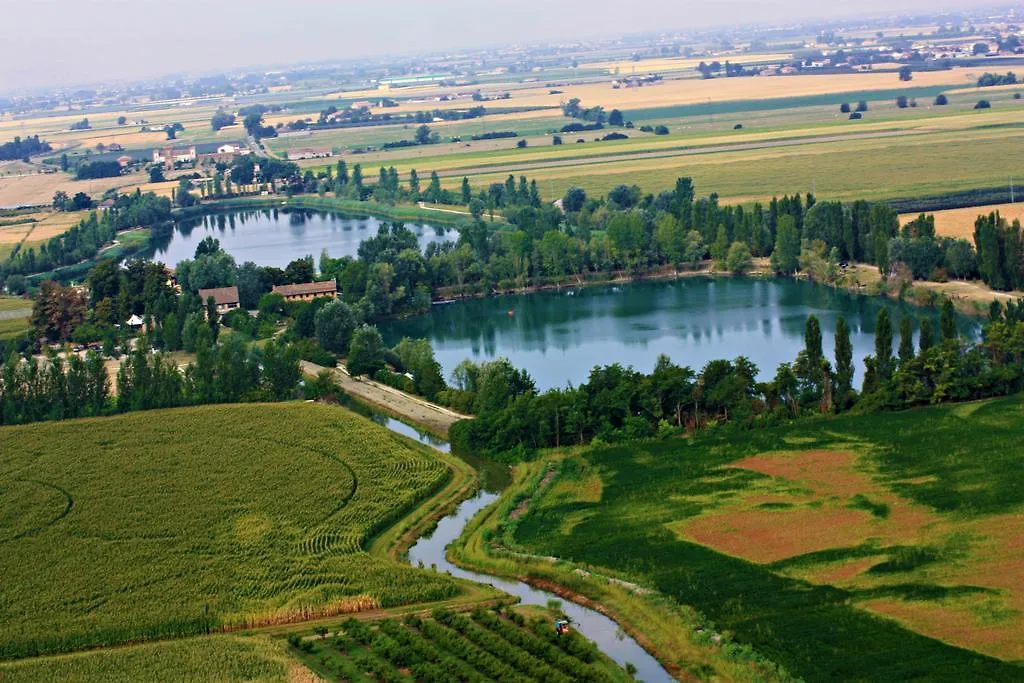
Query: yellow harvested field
[695, 91]
[628, 66]
[39, 188]
[14, 234]
[960, 222]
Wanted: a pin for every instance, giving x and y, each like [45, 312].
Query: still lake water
[558, 336]
[275, 237]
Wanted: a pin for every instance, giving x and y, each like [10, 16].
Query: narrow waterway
[609, 637]
[430, 550]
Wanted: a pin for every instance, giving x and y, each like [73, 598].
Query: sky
[60, 42]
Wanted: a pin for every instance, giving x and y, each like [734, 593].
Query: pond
[275, 237]
[558, 336]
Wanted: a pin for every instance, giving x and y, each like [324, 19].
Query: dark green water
[559, 336]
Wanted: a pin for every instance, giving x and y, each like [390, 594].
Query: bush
[862, 105]
[902, 102]
[556, 140]
[983, 104]
[844, 108]
[855, 116]
[941, 101]
[661, 130]
[1016, 95]
[738, 126]
[521, 144]
[615, 136]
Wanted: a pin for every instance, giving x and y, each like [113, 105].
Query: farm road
[412, 408]
[675, 152]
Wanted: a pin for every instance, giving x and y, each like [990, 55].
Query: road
[418, 411]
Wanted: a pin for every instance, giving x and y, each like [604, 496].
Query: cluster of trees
[222, 119]
[80, 125]
[617, 403]
[62, 202]
[23, 148]
[574, 110]
[97, 169]
[84, 240]
[53, 388]
[1000, 252]
[987, 79]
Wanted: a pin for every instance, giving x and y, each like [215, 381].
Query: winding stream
[430, 550]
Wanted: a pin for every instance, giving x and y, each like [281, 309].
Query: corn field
[189, 521]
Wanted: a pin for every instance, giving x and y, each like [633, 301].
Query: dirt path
[675, 152]
[419, 411]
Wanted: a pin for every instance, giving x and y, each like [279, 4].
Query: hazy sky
[50, 42]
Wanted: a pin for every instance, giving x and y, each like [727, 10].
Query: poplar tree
[844, 360]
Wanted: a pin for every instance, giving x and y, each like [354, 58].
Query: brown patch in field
[820, 487]
[767, 536]
[297, 673]
[839, 574]
[825, 472]
[960, 623]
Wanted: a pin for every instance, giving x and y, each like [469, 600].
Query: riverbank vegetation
[258, 545]
[826, 545]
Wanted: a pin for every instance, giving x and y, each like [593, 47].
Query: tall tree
[883, 345]
[844, 362]
[947, 321]
[927, 338]
[906, 339]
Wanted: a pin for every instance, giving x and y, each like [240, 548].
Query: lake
[275, 237]
[558, 336]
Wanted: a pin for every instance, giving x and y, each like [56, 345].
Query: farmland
[185, 521]
[487, 645]
[208, 658]
[828, 546]
[960, 222]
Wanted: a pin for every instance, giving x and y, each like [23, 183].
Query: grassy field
[487, 645]
[177, 522]
[14, 314]
[960, 222]
[213, 658]
[874, 547]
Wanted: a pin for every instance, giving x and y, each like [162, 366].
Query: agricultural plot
[173, 523]
[875, 547]
[960, 222]
[14, 315]
[213, 658]
[484, 646]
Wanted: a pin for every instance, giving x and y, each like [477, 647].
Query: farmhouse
[307, 291]
[170, 156]
[309, 153]
[124, 160]
[225, 298]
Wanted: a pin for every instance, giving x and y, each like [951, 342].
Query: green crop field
[172, 523]
[876, 547]
[214, 658]
[14, 314]
[484, 646]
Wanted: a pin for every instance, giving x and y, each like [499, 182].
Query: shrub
[941, 101]
[983, 104]
[844, 108]
[521, 144]
[661, 130]
[738, 126]
[856, 116]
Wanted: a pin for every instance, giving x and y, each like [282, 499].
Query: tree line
[84, 240]
[617, 403]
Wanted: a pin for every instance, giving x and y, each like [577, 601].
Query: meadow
[181, 522]
[220, 658]
[873, 547]
[508, 645]
[14, 314]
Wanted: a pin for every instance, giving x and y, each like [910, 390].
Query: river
[430, 550]
[558, 336]
[275, 237]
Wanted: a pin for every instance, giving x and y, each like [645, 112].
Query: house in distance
[225, 298]
[307, 291]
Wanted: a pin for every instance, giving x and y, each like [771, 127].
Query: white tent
[135, 321]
